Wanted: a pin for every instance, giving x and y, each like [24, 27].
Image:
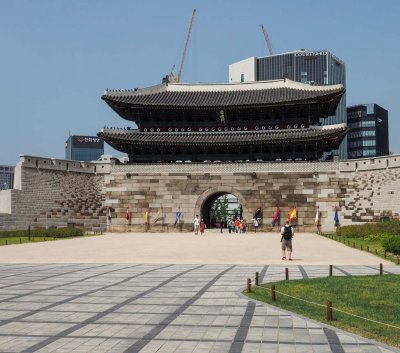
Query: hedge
[367, 229]
[391, 244]
[51, 233]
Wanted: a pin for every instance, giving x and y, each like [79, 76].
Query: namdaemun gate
[248, 121]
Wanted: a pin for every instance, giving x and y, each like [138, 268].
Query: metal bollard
[329, 310]
[330, 270]
[287, 273]
[256, 279]
[381, 269]
[248, 285]
[273, 294]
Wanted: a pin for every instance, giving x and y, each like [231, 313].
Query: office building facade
[84, 148]
[369, 131]
[6, 177]
[312, 67]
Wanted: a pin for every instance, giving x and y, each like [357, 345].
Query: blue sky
[58, 56]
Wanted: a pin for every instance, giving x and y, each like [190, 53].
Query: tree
[219, 209]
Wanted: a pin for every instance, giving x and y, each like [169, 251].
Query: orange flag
[292, 214]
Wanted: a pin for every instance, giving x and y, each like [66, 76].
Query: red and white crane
[171, 74]
[267, 40]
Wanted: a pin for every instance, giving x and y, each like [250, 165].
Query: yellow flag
[292, 214]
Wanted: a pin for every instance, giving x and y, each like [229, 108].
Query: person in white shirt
[196, 224]
[255, 223]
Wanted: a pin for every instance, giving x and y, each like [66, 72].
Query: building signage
[310, 53]
[87, 142]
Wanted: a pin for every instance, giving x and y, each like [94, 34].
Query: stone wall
[53, 192]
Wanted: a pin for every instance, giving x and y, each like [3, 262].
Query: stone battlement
[64, 165]
[56, 192]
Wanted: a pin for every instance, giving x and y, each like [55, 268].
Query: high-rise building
[312, 67]
[6, 177]
[84, 148]
[368, 135]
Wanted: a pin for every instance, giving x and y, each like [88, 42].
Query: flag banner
[277, 216]
[317, 217]
[146, 216]
[336, 217]
[178, 215]
[292, 214]
[127, 216]
[159, 216]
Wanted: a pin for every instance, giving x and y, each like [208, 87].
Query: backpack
[287, 233]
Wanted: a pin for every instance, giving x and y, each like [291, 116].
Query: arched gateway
[208, 197]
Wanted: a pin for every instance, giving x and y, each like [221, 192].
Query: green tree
[219, 208]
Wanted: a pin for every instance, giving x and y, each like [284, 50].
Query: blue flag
[178, 215]
[336, 217]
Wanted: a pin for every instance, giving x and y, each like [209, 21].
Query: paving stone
[179, 308]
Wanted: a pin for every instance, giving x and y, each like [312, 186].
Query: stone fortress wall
[52, 192]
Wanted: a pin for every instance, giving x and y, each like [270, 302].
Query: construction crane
[267, 40]
[171, 74]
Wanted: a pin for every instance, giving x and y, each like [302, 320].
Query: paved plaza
[186, 248]
[158, 307]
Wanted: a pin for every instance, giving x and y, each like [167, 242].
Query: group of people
[240, 226]
[199, 225]
[237, 225]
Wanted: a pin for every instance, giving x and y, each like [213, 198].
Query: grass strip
[373, 297]
[22, 240]
[372, 246]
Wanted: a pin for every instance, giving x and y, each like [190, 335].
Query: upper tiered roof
[224, 95]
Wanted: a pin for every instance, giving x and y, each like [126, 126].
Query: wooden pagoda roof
[224, 95]
[332, 133]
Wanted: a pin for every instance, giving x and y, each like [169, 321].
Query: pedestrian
[196, 224]
[230, 225]
[202, 226]
[255, 224]
[286, 240]
[221, 225]
[244, 226]
[237, 225]
[241, 226]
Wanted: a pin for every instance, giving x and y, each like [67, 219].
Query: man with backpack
[286, 240]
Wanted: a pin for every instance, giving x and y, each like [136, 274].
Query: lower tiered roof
[332, 133]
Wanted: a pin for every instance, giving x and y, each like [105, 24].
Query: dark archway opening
[218, 207]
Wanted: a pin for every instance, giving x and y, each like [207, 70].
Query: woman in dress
[202, 226]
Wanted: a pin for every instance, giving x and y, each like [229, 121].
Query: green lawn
[21, 240]
[372, 246]
[373, 297]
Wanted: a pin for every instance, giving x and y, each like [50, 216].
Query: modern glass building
[6, 177]
[313, 67]
[84, 148]
[369, 131]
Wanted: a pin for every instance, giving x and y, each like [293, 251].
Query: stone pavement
[186, 248]
[63, 308]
